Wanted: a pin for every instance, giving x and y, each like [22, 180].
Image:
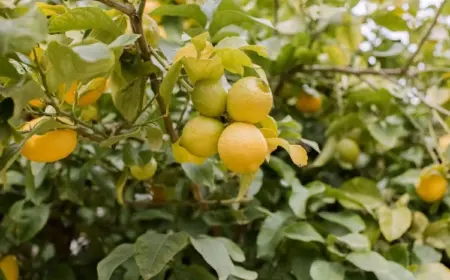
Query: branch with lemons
[233, 122]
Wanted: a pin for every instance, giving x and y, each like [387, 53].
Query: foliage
[131, 202]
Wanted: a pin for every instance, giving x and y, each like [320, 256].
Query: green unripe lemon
[209, 98]
[348, 150]
[201, 135]
[144, 172]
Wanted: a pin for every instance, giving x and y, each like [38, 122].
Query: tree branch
[364, 71]
[424, 38]
[125, 8]
[136, 24]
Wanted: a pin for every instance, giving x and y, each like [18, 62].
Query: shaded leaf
[215, 254]
[186, 10]
[154, 250]
[304, 232]
[113, 260]
[168, 83]
[323, 270]
[271, 234]
[349, 220]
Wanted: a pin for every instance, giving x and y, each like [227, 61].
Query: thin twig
[364, 71]
[150, 203]
[424, 38]
[125, 8]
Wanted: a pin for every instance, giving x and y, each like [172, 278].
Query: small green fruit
[209, 98]
[144, 172]
[348, 150]
[201, 135]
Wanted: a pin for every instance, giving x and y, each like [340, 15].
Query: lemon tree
[224, 139]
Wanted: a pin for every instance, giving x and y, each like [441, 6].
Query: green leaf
[437, 234]
[362, 190]
[434, 271]
[21, 34]
[203, 69]
[203, 174]
[399, 253]
[233, 250]
[59, 271]
[152, 214]
[7, 69]
[24, 221]
[82, 62]
[386, 135]
[394, 222]
[224, 18]
[215, 254]
[168, 83]
[271, 233]
[120, 185]
[323, 270]
[193, 272]
[21, 94]
[124, 40]
[185, 10]
[304, 232]
[368, 261]
[154, 250]
[349, 220]
[344, 123]
[135, 133]
[234, 60]
[83, 18]
[394, 50]
[426, 254]
[355, 241]
[235, 42]
[298, 200]
[113, 260]
[243, 273]
[394, 272]
[328, 152]
[390, 19]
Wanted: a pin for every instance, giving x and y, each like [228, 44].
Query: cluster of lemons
[241, 145]
[57, 144]
[233, 123]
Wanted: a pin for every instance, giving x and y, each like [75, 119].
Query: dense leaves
[360, 119]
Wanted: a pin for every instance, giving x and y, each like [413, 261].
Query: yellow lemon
[432, 187]
[9, 267]
[306, 103]
[150, 6]
[200, 136]
[94, 90]
[50, 146]
[348, 150]
[242, 147]
[144, 172]
[249, 100]
[209, 98]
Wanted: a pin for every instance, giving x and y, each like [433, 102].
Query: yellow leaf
[9, 267]
[199, 41]
[271, 124]
[336, 55]
[181, 155]
[50, 10]
[234, 60]
[296, 152]
[186, 51]
[203, 69]
[268, 133]
[245, 182]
